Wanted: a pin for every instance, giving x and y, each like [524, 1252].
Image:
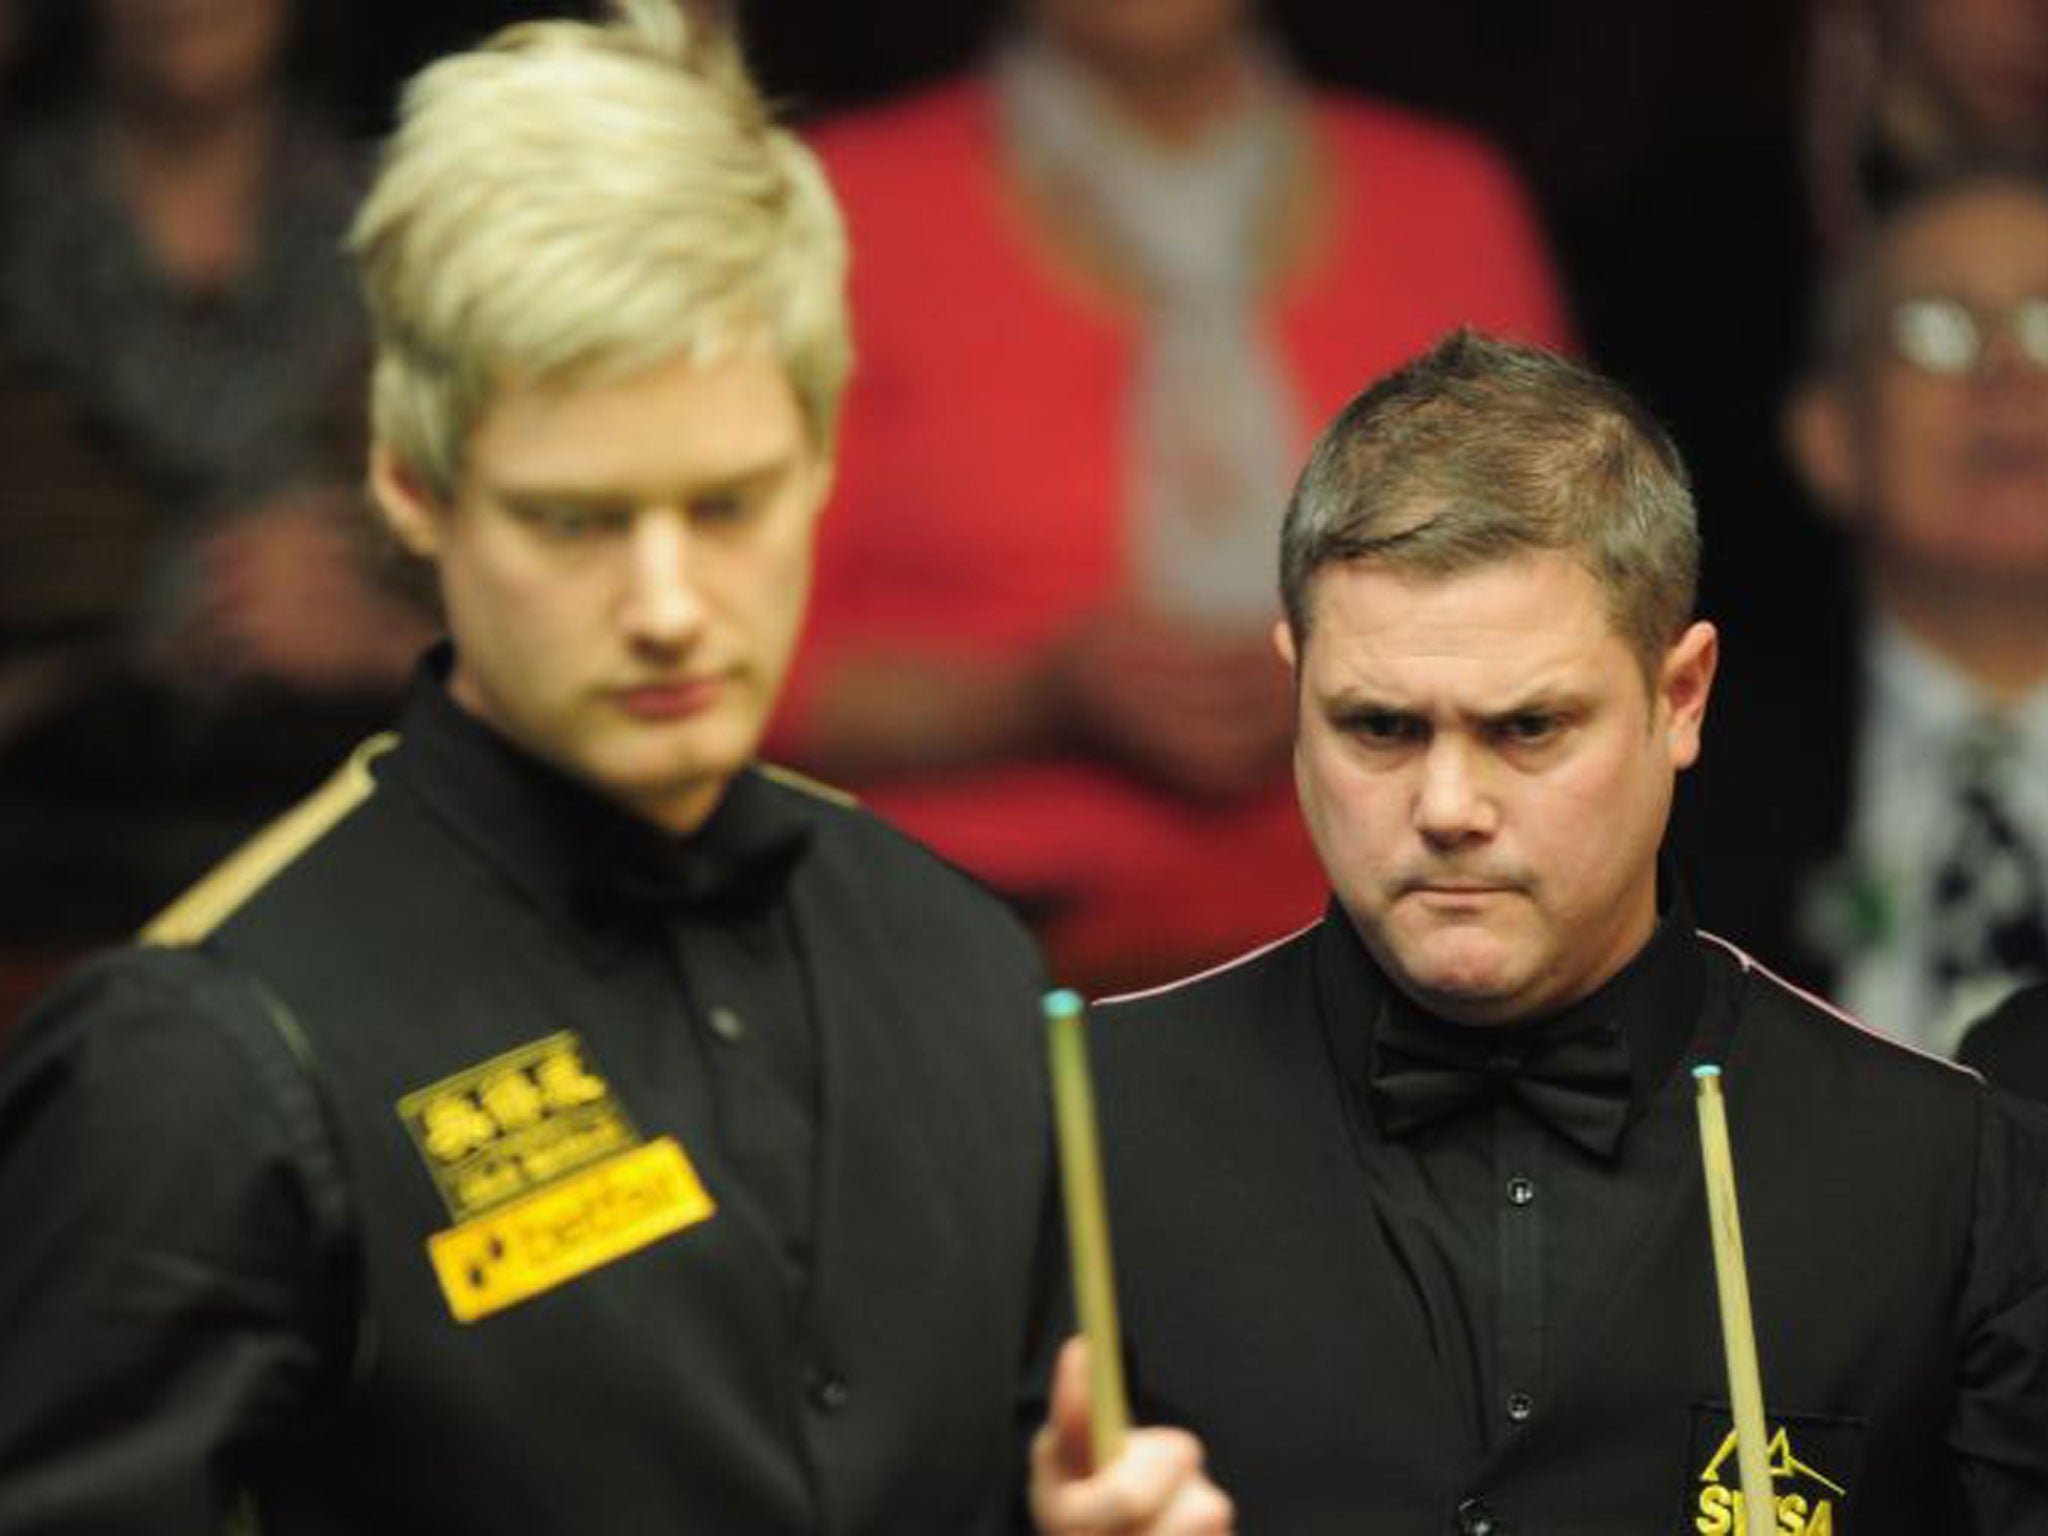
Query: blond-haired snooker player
[560, 1124]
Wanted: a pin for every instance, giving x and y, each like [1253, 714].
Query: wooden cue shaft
[1087, 1223]
[1738, 1333]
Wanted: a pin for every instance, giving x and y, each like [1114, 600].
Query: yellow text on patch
[519, 1121]
[568, 1229]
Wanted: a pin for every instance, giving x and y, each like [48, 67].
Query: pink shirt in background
[982, 459]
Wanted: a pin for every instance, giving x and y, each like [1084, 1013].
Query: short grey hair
[1482, 449]
[575, 202]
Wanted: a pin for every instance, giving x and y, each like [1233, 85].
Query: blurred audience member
[1102, 291]
[184, 614]
[1876, 816]
[58, 557]
[1907, 89]
[2010, 1045]
[1694, 278]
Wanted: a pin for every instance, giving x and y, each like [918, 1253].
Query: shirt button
[828, 1392]
[1520, 1406]
[1475, 1519]
[1521, 1191]
[725, 1023]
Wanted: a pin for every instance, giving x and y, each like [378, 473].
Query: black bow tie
[737, 864]
[1424, 1071]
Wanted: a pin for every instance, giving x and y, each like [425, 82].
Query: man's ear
[411, 511]
[1819, 429]
[1683, 684]
[1283, 642]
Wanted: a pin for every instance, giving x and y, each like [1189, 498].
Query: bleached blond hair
[575, 202]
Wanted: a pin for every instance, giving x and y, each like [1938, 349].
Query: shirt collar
[1932, 704]
[576, 855]
[1654, 1002]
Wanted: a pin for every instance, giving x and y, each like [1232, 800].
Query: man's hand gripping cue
[1156, 1487]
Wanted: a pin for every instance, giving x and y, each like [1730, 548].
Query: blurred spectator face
[624, 571]
[1982, 65]
[1937, 446]
[1141, 36]
[191, 53]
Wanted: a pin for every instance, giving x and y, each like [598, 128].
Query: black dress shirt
[1343, 1315]
[1502, 1296]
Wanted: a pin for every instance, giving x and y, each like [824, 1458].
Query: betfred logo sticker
[544, 1173]
[1812, 1460]
[567, 1229]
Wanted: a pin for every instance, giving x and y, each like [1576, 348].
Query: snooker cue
[1087, 1223]
[1738, 1334]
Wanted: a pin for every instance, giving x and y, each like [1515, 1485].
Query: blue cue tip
[1706, 1069]
[1062, 1003]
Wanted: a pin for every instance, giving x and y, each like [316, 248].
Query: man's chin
[1464, 989]
[678, 805]
[672, 789]
[1481, 1010]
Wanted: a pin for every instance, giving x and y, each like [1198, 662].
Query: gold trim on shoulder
[252, 866]
[803, 784]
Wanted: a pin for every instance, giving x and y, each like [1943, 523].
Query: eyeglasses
[1949, 337]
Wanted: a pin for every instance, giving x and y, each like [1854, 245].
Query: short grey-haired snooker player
[1408, 1209]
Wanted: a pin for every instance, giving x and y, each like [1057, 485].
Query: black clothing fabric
[2010, 1044]
[504, 1164]
[1481, 1326]
[1504, 1296]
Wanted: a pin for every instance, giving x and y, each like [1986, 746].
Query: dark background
[1584, 93]
[1660, 139]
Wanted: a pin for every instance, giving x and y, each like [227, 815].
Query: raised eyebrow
[1347, 703]
[1552, 705]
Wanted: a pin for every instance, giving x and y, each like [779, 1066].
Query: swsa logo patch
[1813, 1462]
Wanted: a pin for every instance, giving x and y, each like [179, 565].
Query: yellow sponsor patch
[544, 1173]
[570, 1227]
[522, 1120]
